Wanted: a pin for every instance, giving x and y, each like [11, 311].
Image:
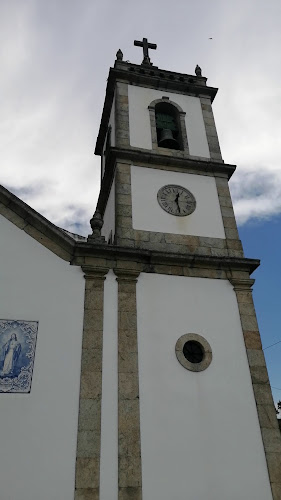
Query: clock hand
[177, 202]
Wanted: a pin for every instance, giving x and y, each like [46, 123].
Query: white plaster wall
[109, 410]
[38, 431]
[206, 220]
[200, 434]
[139, 121]
[109, 215]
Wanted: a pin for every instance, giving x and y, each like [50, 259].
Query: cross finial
[145, 45]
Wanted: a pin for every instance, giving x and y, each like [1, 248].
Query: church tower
[131, 365]
[175, 399]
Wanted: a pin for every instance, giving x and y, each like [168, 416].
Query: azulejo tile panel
[17, 352]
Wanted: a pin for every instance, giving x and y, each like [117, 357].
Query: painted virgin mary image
[10, 355]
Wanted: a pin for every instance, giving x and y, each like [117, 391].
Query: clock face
[176, 200]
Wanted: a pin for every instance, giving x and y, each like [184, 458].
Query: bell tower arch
[168, 128]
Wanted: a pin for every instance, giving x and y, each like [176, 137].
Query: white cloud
[54, 60]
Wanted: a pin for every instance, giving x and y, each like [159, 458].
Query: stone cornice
[151, 77]
[147, 259]
[177, 159]
[137, 156]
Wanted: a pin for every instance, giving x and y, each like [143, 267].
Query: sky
[54, 59]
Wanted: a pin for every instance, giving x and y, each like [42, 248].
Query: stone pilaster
[233, 242]
[129, 448]
[89, 425]
[265, 406]
[122, 134]
[125, 234]
[210, 127]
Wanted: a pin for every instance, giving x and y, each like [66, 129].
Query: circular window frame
[207, 358]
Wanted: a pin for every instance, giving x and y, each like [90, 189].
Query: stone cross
[145, 45]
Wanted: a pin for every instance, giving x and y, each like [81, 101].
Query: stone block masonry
[89, 425]
[129, 448]
[260, 381]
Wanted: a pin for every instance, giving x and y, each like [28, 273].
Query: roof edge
[37, 226]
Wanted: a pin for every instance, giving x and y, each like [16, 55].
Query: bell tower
[180, 405]
[161, 122]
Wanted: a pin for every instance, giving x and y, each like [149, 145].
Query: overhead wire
[271, 345]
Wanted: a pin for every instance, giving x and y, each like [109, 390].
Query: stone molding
[129, 446]
[89, 424]
[95, 273]
[126, 275]
[262, 392]
[194, 367]
[242, 284]
[167, 158]
[111, 255]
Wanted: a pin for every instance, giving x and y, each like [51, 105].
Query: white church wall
[38, 431]
[206, 220]
[109, 215]
[139, 121]
[200, 435]
[109, 409]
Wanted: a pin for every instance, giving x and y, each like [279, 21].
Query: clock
[176, 200]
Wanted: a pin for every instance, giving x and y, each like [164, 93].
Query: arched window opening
[168, 126]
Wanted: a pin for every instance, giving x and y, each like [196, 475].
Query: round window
[193, 352]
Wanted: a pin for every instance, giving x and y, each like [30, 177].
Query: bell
[167, 140]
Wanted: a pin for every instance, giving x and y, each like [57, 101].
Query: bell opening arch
[168, 129]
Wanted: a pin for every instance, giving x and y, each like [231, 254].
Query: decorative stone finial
[96, 225]
[119, 55]
[198, 70]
